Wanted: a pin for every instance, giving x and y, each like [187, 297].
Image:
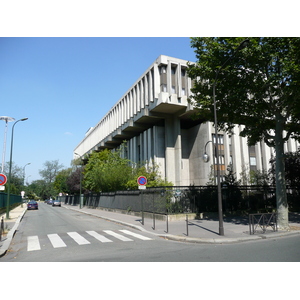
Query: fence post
[167, 222]
[187, 225]
[1, 228]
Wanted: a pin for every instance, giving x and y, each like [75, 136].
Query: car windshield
[31, 202]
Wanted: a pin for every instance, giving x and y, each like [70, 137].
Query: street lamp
[6, 119]
[24, 172]
[205, 155]
[10, 163]
[220, 209]
[80, 185]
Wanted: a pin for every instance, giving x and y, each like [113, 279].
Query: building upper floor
[162, 90]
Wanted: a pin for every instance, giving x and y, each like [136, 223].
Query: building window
[164, 88]
[173, 89]
[183, 92]
[183, 72]
[220, 139]
[162, 70]
[252, 161]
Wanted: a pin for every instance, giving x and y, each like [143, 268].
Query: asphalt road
[56, 234]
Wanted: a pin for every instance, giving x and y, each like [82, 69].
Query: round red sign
[3, 179]
[142, 180]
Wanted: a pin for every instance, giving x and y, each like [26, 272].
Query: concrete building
[154, 117]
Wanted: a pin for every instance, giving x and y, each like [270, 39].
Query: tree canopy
[258, 87]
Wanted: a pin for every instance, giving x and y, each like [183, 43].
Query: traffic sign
[3, 179]
[142, 180]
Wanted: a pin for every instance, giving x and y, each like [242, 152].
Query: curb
[10, 235]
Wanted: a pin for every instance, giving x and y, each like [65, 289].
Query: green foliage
[258, 87]
[151, 173]
[48, 174]
[292, 169]
[60, 183]
[106, 171]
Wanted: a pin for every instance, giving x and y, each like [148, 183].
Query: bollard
[167, 223]
[153, 227]
[187, 225]
[1, 228]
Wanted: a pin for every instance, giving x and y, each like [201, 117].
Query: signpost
[142, 181]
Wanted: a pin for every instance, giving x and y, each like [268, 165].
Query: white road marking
[99, 237]
[56, 241]
[80, 240]
[33, 243]
[118, 236]
[139, 236]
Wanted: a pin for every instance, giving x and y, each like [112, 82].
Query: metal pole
[80, 182]
[220, 209]
[187, 225]
[167, 222]
[142, 204]
[240, 47]
[6, 119]
[10, 164]
[153, 213]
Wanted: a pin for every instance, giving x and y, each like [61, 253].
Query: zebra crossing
[109, 236]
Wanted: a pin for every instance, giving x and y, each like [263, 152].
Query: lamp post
[6, 119]
[24, 172]
[80, 184]
[10, 163]
[220, 209]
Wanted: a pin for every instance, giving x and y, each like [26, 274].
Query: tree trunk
[281, 197]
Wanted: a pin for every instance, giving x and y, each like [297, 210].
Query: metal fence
[188, 199]
[12, 199]
[260, 223]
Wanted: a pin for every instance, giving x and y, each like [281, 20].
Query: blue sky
[64, 86]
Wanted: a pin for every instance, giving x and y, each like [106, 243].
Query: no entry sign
[142, 180]
[3, 179]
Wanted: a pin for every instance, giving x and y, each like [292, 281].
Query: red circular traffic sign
[142, 180]
[3, 179]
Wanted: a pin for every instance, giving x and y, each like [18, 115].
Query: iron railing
[188, 199]
[260, 223]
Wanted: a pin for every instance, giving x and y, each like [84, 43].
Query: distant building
[154, 117]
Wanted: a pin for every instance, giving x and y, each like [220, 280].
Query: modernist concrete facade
[154, 117]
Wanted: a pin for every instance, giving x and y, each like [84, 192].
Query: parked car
[32, 205]
[56, 203]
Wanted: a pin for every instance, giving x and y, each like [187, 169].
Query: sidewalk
[10, 226]
[197, 231]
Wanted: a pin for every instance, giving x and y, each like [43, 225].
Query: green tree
[151, 172]
[39, 188]
[17, 178]
[106, 171]
[48, 174]
[292, 168]
[60, 183]
[258, 87]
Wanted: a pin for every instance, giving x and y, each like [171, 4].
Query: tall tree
[258, 87]
[48, 174]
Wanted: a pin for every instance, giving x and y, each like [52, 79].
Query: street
[57, 234]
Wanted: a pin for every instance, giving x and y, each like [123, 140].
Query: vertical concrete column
[173, 150]
[169, 78]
